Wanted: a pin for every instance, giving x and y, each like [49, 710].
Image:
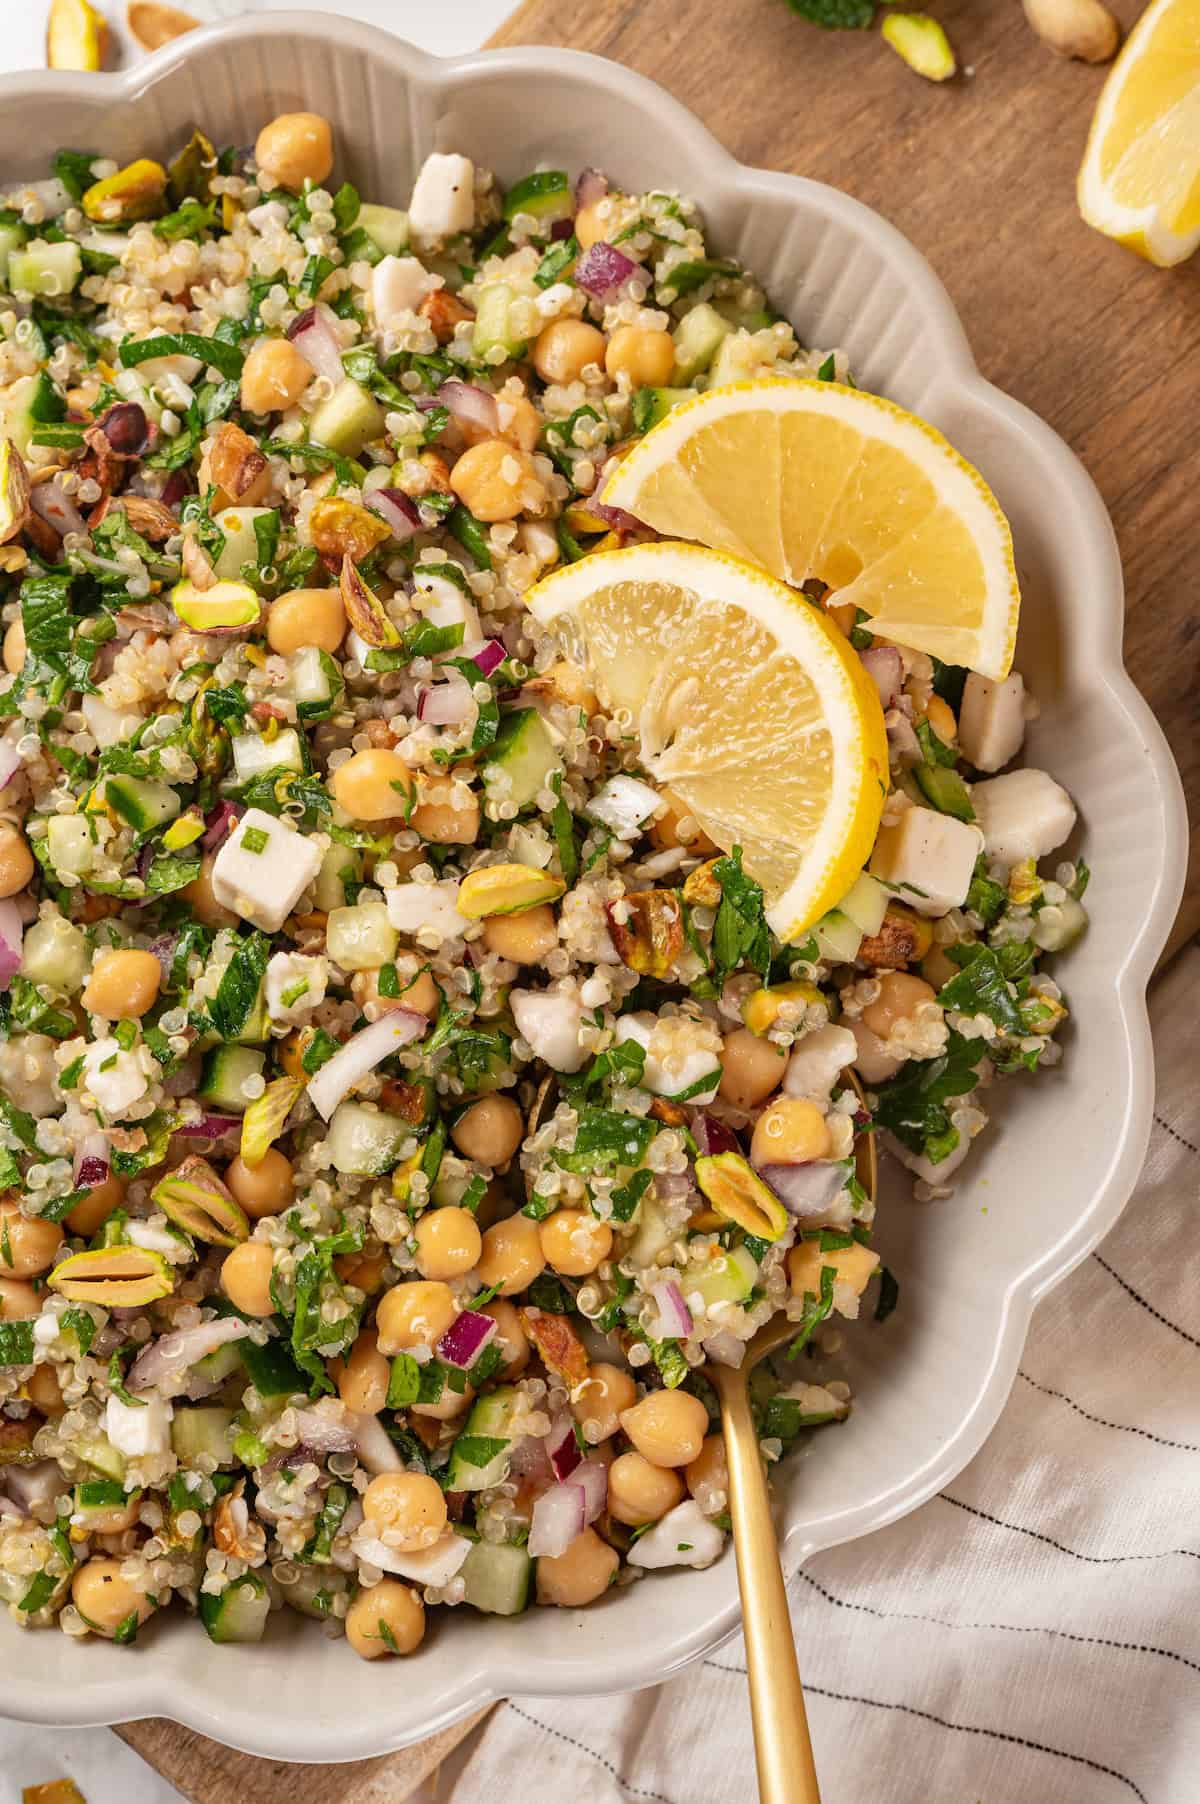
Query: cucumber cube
[45, 270]
[350, 419]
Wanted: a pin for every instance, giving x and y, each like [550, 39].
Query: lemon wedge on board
[814, 479]
[749, 705]
[1140, 179]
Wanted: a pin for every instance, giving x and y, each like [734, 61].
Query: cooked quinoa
[400, 1096]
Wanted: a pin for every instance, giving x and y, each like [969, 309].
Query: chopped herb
[740, 934]
[912, 1106]
[404, 1384]
[816, 1308]
[214, 353]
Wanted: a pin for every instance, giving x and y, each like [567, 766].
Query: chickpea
[899, 996]
[852, 1265]
[490, 1131]
[940, 716]
[512, 1255]
[262, 1189]
[579, 1575]
[387, 1618]
[526, 938]
[448, 1243]
[598, 1403]
[27, 1246]
[936, 967]
[574, 1241]
[564, 349]
[497, 481]
[45, 1393]
[646, 357]
[751, 1069]
[414, 1314]
[18, 1300]
[708, 1475]
[105, 1599]
[123, 982]
[667, 1427]
[366, 1270]
[873, 1062]
[594, 223]
[16, 860]
[274, 376]
[449, 1405]
[15, 648]
[791, 1131]
[296, 148]
[362, 1377]
[520, 422]
[665, 829]
[198, 894]
[307, 617]
[422, 994]
[94, 1209]
[372, 785]
[449, 813]
[246, 1278]
[409, 1505]
[510, 1336]
[639, 1492]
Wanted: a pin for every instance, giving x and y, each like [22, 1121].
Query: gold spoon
[782, 1745]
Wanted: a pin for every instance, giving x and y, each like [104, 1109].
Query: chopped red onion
[366, 1049]
[314, 337]
[528, 1459]
[221, 821]
[324, 1432]
[712, 1136]
[51, 501]
[885, 667]
[903, 744]
[163, 949]
[592, 1478]
[91, 1161]
[807, 1190]
[562, 228]
[465, 1339]
[12, 933]
[172, 1354]
[562, 1448]
[674, 1316]
[470, 405]
[602, 271]
[591, 187]
[211, 1127]
[444, 704]
[396, 511]
[617, 517]
[490, 654]
[673, 1186]
[725, 1348]
[39, 1483]
[559, 1516]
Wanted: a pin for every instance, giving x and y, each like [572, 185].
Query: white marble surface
[105, 1770]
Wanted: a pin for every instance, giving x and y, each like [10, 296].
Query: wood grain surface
[979, 174]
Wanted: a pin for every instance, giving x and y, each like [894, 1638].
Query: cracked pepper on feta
[401, 1096]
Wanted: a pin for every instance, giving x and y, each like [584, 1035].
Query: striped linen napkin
[1032, 1635]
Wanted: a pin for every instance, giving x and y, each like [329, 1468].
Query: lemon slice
[811, 479]
[749, 705]
[1140, 180]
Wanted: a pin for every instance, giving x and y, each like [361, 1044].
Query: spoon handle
[783, 1749]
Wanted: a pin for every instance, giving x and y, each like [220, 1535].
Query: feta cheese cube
[684, 1537]
[443, 197]
[294, 986]
[662, 1041]
[817, 1062]
[113, 1076]
[991, 720]
[434, 1565]
[108, 726]
[398, 286]
[252, 754]
[928, 858]
[550, 1022]
[426, 908]
[443, 604]
[1024, 814]
[262, 878]
[136, 1429]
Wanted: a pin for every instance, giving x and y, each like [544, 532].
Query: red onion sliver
[12, 934]
[592, 1478]
[395, 510]
[325, 1432]
[674, 1316]
[562, 1448]
[317, 342]
[885, 667]
[617, 517]
[591, 187]
[174, 1353]
[444, 704]
[465, 1339]
[602, 271]
[712, 1136]
[221, 821]
[490, 654]
[470, 405]
[366, 1049]
[559, 1515]
[211, 1127]
[807, 1190]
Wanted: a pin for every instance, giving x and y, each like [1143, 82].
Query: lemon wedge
[813, 479]
[1140, 179]
[749, 705]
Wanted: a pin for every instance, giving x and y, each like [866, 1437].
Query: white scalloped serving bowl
[1050, 1176]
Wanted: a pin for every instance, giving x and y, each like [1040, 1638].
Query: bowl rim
[955, 373]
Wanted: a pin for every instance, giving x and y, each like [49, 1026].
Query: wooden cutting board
[979, 174]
